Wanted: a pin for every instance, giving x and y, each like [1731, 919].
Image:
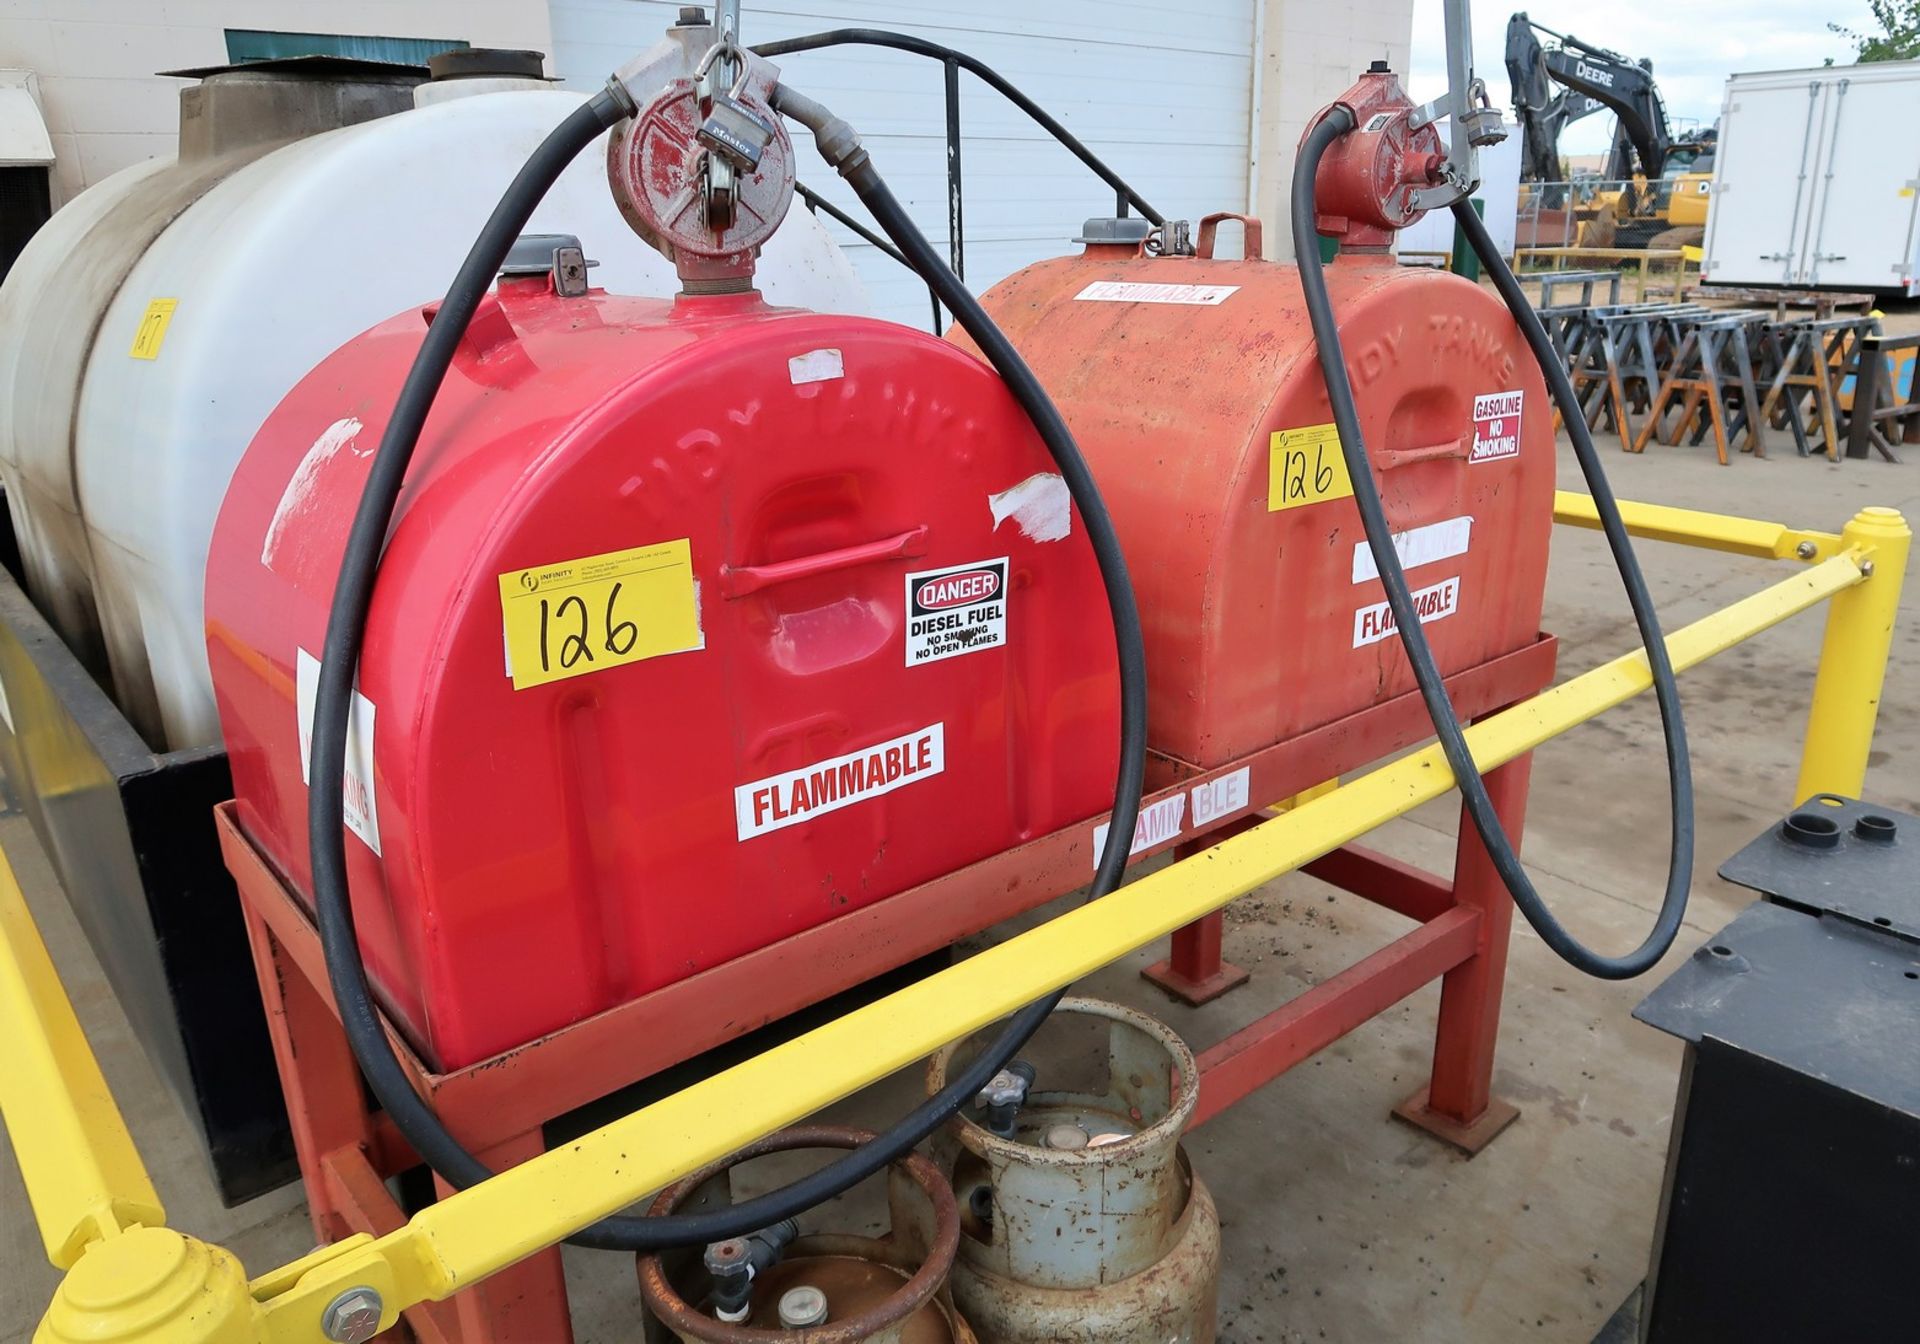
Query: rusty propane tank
[1081, 1218]
[822, 1288]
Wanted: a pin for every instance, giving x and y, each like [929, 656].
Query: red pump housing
[700, 624]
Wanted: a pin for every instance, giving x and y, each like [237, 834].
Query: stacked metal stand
[1791, 1209]
[1679, 372]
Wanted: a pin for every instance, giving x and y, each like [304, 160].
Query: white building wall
[106, 108]
[96, 59]
[1311, 51]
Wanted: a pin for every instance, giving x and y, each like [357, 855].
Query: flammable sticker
[1496, 426]
[1158, 823]
[960, 609]
[1375, 623]
[794, 796]
[1218, 797]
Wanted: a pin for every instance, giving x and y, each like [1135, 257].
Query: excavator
[1669, 178]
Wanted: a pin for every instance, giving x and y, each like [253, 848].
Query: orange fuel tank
[1192, 386]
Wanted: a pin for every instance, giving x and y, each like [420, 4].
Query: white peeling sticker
[1041, 507]
[960, 609]
[794, 796]
[1158, 823]
[1136, 291]
[362, 813]
[1417, 546]
[1378, 122]
[1375, 623]
[1496, 426]
[1221, 797]
[296, 499]
[816, 366]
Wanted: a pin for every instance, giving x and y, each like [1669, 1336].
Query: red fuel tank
[701, 623]
[1192, 386]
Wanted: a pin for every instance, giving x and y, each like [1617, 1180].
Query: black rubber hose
[1433, 690]
[346, 630]
[919, 46]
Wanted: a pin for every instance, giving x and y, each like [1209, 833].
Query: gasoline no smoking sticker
[961, 609]
[1496, 426]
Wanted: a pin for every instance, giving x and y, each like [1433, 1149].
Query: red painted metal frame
[497, 1107]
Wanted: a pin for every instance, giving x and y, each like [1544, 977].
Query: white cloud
[1693, 47]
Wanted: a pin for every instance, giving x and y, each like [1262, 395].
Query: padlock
[735, 130]
[730, 127]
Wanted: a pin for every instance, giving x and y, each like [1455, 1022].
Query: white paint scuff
[296, 500]
[1040, 506]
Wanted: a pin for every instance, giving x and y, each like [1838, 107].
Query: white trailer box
[1815, 180]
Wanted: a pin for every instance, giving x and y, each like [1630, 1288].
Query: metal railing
[952, 62]
[131, 1278]
[1645, 261]
[1549, 214]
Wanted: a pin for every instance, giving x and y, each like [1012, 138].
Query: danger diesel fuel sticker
[961, 609]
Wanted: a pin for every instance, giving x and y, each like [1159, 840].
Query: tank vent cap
[532, 253]
[1110, 230]
[487, 63]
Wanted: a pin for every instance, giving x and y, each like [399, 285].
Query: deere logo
[529, 580]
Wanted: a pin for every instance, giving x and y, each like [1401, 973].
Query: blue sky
[1694, 47]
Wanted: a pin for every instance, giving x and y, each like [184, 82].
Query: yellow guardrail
[131, 1279]
[83, 1175]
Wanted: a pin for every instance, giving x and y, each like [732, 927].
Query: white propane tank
[269, 272]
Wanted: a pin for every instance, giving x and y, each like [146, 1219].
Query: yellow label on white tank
[153, 329]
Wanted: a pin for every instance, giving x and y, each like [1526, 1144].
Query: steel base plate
[1193, 993]
[1470, 1137]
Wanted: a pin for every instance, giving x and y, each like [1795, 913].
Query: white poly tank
[268, 272]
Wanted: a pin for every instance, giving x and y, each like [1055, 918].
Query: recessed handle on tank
[1203, 246]
[1386, 459]
[740, 580]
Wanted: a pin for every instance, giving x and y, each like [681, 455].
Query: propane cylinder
[826, 1287]
[1264, 616]
[701, 623]
[1081, 1217]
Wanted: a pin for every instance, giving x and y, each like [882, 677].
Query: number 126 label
[600, 611]
[1305, 466]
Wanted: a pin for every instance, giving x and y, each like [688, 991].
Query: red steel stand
[1462, 940]
[498, 1107]
[1195, 973]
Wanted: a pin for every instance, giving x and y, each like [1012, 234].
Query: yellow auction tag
[600, 611]
[153, 329]
[1305, 466]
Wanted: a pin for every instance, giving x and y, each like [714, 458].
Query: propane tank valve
[735, 1263]
[1004, 1095]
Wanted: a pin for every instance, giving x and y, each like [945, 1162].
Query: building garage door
[1162, 92]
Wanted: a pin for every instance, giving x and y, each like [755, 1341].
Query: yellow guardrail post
[100, 1219]
[1853, 659]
